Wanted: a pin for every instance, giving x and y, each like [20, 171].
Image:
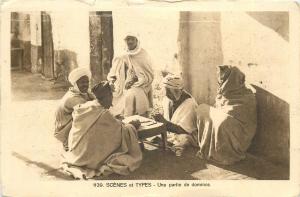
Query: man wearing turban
[77, 94]
[179, 114]
[133, 76]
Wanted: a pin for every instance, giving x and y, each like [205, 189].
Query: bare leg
[164, 140]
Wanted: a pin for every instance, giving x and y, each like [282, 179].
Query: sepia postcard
[150, 98]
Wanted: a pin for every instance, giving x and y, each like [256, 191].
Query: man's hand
[111, 82]
[164, 73]
[136, 123]
[113, 79]
[119, 117]
[135, 79]
[65, 145]
[128, 85]
[159, 118]
[131, 82]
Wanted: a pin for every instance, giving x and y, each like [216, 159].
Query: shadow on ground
[49, 170]
[164, 165]
[257, 168]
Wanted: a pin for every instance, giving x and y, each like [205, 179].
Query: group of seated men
[96, 142]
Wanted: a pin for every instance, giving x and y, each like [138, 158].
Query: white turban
[77, 73]
[132, 35]
[173, 81]
[138, 47]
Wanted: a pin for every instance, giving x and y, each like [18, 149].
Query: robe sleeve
[188, 117]
[72, 102]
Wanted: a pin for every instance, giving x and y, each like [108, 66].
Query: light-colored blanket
[99, 144]
[226, 130]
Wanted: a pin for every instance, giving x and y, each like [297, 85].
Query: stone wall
[261, 49]
[201, 52]
[20, 29]
[71, 41]
[36, 42]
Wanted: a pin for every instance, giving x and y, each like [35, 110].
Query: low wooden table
[149, 128]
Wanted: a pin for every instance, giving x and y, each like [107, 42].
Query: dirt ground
[35, 153]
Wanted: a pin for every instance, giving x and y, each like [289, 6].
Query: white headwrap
[173, 81]
[77, 73]
[138, 47]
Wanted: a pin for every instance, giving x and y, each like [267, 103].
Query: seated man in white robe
[179, 114]
[133, 75]
[99, 144]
